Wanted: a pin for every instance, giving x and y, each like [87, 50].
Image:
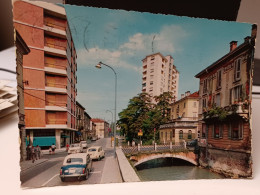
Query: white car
[75, 148]
[84, 144]
[96, 152]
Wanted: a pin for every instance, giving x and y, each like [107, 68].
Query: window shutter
[241, 129]
[221, 126]
[213, 131]
[229, 130]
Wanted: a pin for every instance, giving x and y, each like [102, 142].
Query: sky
[122, 39]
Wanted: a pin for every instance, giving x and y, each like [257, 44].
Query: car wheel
[62, 179]
[99, 158]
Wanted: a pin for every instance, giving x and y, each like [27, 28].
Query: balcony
[56, 123]
[55, 69]
[56, 106]
[55, 87]
[55, 45]
[56, 23]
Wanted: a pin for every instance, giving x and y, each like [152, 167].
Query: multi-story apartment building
[184, 120]
[21, 50]
[101, 127]
[80, 135]
[87, 127]
[92, 128]
[49, 71]
[160, 75]
[224, 111]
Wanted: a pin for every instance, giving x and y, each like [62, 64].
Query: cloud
[166, 41]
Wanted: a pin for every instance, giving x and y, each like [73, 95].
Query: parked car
[192, 143]
[84, 144]
[76, 166]
[96, 152]
[75, 148]
[94, 138]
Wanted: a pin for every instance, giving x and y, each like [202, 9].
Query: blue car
[76, 166]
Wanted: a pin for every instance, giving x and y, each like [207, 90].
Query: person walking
[38, 152]
[53, 147]
[33, 152]
[28, 152]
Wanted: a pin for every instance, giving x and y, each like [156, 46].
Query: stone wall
[233, 164]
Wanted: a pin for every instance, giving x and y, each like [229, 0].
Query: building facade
[159, 75]
[87, 127]
[184, 120]
[101, 127]
[49, 71]
[21, 50]
[224, 111]
[80, 134]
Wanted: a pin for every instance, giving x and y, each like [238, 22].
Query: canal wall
[230, 163]
[127, 171]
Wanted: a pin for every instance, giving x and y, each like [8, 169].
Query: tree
[142, 114]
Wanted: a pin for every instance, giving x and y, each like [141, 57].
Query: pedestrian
[33, 151]
[50, 150]
[53, 147]
[38, 152]
[67, 147]
[28, 152]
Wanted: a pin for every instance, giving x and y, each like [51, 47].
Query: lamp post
[99, 67]
[111, 115]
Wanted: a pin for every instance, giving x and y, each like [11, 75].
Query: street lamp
[99, 67]
[111, 115]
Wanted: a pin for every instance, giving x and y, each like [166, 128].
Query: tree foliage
[142, 114]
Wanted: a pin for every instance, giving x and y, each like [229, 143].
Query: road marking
[49, 180]
[96, 172]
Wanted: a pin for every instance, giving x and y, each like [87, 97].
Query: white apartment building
[160, 75]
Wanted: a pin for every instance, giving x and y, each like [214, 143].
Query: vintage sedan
[96, 152]
[75, 148]
[84, 144]
[76, 166]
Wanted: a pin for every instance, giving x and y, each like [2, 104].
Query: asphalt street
[47, 173]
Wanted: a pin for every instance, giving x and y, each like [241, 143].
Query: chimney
[182, 96]
[187, 93]
[233, 45]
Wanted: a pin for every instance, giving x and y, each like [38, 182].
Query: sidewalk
[25, 165]
[111, 172]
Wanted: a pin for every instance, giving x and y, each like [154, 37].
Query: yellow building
[184, 120]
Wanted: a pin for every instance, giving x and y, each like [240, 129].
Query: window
[194, 104]
[151, 83]
[184, 105]
[235, 94]
[218, 80]
[236, 130]
[152, 70]
[237, 70]
[166, 135]
[170, 135]
[217, 130]
[161, 135]
[218, 104]
[151, 76]
[180, 134]
[205, 86]
[189, 134]
[204, 103]
[204, 129]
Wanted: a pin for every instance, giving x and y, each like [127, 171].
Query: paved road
[47, 173]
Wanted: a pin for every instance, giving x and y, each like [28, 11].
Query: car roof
[94, 147]
[77, 155]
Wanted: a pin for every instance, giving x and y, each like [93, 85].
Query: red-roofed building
[102, 127]
[184, 120]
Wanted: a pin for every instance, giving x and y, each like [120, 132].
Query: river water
[172, 169]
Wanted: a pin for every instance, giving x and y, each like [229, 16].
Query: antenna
[152, 43]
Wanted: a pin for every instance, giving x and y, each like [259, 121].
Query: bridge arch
[141, 159]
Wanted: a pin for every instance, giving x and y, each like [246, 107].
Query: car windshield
[74, 145]
[92, 150]
[73, 160]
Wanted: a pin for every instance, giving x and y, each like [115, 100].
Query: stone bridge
[141, 154]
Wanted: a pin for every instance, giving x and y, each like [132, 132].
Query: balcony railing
[55, 43]
[56, 122]
[50, 65]
[58, 85]
[55, 23]
[55, 103]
